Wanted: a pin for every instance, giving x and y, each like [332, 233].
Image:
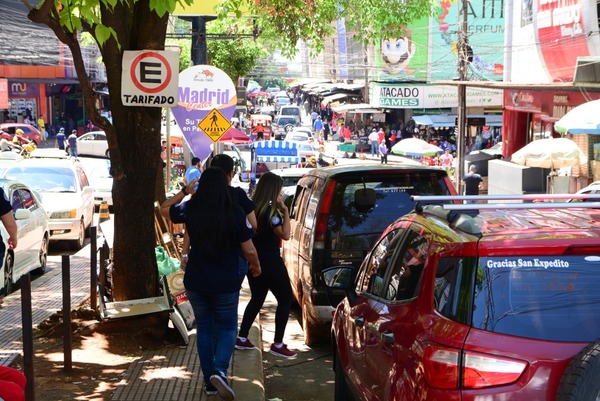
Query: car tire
[107, 154]
[77, 244]
[340, 389]
[289, 128]
[313, 334]
[43, 257]
[8, 273]
[580, 380]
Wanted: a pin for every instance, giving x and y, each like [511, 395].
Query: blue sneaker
[220, 382]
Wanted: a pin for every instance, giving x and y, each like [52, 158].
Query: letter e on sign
[150, 78]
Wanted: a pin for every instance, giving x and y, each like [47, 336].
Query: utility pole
[462, 98]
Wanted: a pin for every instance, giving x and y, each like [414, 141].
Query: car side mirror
[339, 278]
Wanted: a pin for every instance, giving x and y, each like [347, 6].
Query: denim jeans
[374, 148]
[216, 329]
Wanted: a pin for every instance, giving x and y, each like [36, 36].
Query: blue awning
[276, 151]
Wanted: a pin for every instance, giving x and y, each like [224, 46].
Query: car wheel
[289, 128]
[107, 154]
[312, 334]
[78, 243]
[340, 389]
[580, 380]
[43, 256]
[8, 273]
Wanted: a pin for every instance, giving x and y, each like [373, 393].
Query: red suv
[29, 131]
[498, 303]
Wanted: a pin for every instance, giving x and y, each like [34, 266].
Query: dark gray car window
[553, 298]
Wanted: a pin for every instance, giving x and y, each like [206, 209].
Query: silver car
[31, 253]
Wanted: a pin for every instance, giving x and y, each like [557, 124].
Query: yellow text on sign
[215, 125]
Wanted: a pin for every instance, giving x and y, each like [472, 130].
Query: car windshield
[354, 227]
[44, 179]
[553, 298]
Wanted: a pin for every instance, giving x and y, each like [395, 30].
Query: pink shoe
[282, 351]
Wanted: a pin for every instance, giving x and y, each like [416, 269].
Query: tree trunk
[133, 139]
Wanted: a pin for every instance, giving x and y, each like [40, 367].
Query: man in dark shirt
[472, 181]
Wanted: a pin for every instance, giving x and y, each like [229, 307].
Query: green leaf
[102, 34]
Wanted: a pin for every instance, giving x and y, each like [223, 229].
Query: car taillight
[478, 370]
[487, 370]
[441, 367]
[323, 216]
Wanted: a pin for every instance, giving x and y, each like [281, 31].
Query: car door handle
[359, 321]
[387, 337]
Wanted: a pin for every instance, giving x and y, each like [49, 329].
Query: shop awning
[336, 96]
[492, 120]
[355, 107]
[276, 151]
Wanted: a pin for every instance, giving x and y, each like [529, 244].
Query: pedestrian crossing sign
[215, 125]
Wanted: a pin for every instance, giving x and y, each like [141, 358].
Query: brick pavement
[46, 299]
[166, 374]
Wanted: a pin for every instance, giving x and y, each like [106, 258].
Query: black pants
[274, 277]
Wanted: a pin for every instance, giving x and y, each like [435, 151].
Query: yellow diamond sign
[215, 125]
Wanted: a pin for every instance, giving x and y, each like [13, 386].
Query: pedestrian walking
[472, 181]
[374, 139]
[273, 220]
[238, 197]
[383, 151]
[193, 172]
[60, 139]
[217, 234]
[72, 140]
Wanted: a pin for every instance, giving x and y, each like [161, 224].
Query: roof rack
[526, 197]
[534, 201]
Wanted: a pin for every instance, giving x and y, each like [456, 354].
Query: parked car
[472, 305]
[282, 125]
[101, 180]
[31, 253]
[337, 215]
[29, 131]
[93, 143]
[66, 195]
[239, 164]
[280, 101]
[290, 177]
[292, 111]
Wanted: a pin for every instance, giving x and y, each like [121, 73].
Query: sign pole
[168, 150]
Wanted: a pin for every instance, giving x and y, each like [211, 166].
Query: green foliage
[286, 22]
[185, 51]
[73, 15]
[238, 55]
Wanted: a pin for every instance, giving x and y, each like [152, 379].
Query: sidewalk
[170, 374]
[165, 374]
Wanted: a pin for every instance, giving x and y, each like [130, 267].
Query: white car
[31, 253]
[65, 192]
[305, 147]
[290, 176]
[93, 143]
[98, 172]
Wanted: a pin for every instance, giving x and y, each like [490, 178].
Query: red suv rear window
[543, 297]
